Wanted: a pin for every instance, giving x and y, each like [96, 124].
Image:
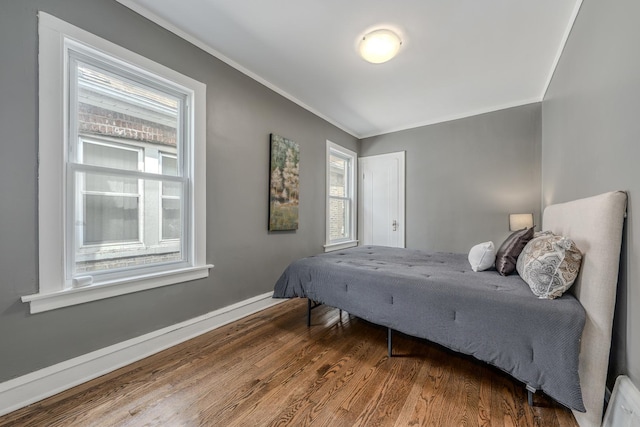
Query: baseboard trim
[35, 386]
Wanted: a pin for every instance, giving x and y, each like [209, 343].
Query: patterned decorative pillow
[549, 264]
[542, 233]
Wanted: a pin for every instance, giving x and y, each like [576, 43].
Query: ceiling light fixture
[379, 46]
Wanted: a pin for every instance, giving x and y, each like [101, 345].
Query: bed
[558, 346]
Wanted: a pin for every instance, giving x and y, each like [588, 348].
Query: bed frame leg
[389, 343]
[308, 312]
[530, 392]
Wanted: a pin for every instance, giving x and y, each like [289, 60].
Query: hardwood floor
[269, 369]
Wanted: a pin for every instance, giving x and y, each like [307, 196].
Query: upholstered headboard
[595, 225]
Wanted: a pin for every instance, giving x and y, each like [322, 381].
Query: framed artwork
[284, 184]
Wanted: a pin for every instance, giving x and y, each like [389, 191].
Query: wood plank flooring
[269, 369]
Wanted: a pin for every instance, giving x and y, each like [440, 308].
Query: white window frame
[334, 245]
[56, 290]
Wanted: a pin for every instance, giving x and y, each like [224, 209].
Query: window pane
[110, 219]
[110, 103]
[110, 156]
[338, 170]
[339, 219]
[115, 230]
[169, 165]
[171, 224]
[171, 189]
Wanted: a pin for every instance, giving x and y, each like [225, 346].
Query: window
[341, 198]
[121, 171]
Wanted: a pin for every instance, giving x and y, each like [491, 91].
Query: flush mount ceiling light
[379, 46]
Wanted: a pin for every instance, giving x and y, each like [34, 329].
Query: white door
[381, 199]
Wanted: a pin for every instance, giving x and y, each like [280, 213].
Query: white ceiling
[458, 58]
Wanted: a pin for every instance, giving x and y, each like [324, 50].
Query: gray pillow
[507, 255]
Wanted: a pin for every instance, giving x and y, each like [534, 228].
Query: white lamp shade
[520, 221]
[379, 46]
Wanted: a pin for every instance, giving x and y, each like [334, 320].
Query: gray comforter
[438, 297]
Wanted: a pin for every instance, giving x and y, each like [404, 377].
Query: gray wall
[465, 176]
[240, 115]
[591, 142]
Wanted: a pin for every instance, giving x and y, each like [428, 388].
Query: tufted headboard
[595, 225]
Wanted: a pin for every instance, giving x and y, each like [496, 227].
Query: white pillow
[482, 256]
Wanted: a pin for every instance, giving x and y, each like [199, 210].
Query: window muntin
[341, 197]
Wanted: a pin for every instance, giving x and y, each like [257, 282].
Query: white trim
[38, 385]
[340, 245]
[204, 46]
[51, 189]
[563, 43]
[106, 289]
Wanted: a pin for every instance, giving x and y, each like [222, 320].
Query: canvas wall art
[284, 184]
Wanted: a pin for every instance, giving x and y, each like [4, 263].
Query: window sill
[341, 245]
[49, 301]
